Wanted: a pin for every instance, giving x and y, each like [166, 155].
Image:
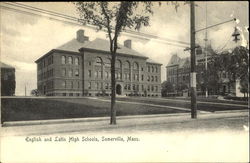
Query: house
[83, 68]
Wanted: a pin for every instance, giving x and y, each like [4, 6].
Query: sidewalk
[100, 124]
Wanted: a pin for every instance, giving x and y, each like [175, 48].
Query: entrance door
[118, 89]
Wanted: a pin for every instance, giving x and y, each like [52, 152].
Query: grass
[20, 109]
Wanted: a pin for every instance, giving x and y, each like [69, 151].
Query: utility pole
[206, 77]
[193, 62]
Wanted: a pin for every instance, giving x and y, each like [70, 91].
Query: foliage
[34, 92]
[167, 87]
[234, 63]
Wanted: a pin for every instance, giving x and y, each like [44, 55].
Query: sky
[26, 37]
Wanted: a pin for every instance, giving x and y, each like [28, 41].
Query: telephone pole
[206, 77]
[193, 62]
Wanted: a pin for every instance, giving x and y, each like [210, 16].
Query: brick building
[81, 67]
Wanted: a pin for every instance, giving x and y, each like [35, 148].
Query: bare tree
[114, 17]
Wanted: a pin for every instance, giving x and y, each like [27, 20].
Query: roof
[174, 60]
[177, 61]
[97, 44]
[3, 65]
[152, 61]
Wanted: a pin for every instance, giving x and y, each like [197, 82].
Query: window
[70, 72]
[125, 87]
[148, 88]
[156, 88]
[100, 74]
[136, 66]
[77, 61]
[153, 69]
[108, 62]
[107, 86]
[129, 87]
[107, 74]
[137, 77]
[119, 76]
[89, 73]
[77, 72]
[133, 86]
[89, 85]
[78, 84]
[70, 60]
[98, 61]
[148, 78]
[141, 68]
[64, 72]
[148, 68]
[152, 78]
[97, 85]
[63, 60]
[96, 74]
[152, 88]
[127, 65]
[142, 77]
[156, 78]
[142, 87]
[89, 63]
[156, 69]
[118, 64]
[64, 84]
[71, 85]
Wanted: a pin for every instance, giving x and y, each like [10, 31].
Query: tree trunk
[113, 91]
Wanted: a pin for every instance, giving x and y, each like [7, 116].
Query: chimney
[128, 44]
[80, 36]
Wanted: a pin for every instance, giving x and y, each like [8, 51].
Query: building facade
[178, 73]
[83, 68]
[8, 81]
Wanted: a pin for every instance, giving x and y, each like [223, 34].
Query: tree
[34, 92]
[166, 88]
[114, 17]
[234, 63]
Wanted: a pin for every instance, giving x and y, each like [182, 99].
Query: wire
[138, 34]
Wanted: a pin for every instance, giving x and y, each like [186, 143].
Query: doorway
[118, 89]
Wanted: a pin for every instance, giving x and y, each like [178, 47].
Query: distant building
[82, 68]
[178, 73]
[8, 82]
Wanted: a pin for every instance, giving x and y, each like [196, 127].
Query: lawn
[20, 109]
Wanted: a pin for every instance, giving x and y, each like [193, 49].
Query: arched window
[63, 60]
[127, 65]
[107, 62]
[98, 61]
[136, 66]
[118, 64]
[70, 60]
